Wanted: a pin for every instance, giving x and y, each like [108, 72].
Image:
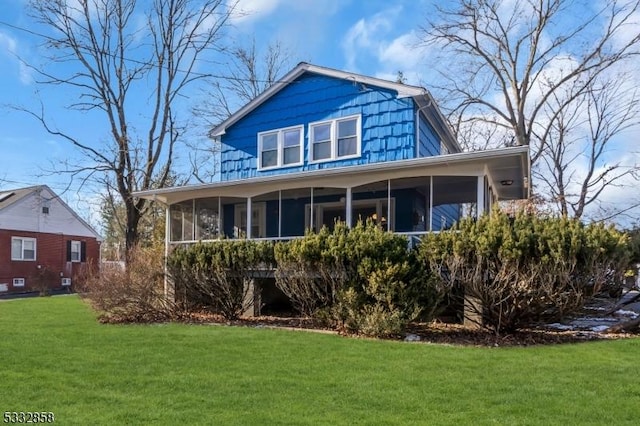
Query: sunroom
[410, 197]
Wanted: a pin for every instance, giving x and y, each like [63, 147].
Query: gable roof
[13, 196]
[420, 95]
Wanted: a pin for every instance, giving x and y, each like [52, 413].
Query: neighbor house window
[23, 248]
[279, 148]
[335, 139]
[76, 251]
[18, 282]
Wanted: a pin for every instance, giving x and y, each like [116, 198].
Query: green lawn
[54, 356]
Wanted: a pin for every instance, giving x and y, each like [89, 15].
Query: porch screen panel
[411, 197]
[370, 202]
[181, 217]
[293, 218]
[207, 219]
[451, 196]
[268, 216]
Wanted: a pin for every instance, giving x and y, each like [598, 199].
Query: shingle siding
[387, 124]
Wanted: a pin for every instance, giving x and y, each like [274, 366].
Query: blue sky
[372, 37]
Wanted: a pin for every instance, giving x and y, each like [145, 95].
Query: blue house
[323, 145]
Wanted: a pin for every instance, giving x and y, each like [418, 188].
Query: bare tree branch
[110, 59]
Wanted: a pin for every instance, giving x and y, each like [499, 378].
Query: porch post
[480, 197]
[220, 218]
[430, 203]
[169, 286]
[249, 216]
[389, 226]
[280, 213]
[349, 209]
[311, 211]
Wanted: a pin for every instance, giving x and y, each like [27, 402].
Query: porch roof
[507, 169]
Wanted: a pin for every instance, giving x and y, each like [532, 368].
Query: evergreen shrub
[220, 274]
[525, 269]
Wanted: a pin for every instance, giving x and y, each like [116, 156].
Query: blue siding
[388, 131]
[450, 213]
[429, 140]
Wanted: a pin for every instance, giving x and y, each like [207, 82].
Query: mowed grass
[56, 357]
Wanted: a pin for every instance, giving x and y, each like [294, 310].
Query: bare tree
[248, 73]
[576, 167]
[501, 52]
[116, 50]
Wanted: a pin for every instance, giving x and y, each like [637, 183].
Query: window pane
[321, 150]
[16, 249]
[347, 146]
[322, 132]
[292, 155]
[347, 128]
[207, 218]
[269, 141]
[270, 158]
[28, 244]
[175, 212]
[291, 138]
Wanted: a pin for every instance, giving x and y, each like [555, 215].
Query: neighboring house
[43, 242]
[323, 145]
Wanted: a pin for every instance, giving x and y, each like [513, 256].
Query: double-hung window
[23, 248]
[279, 148]
[335, 139]
[75, 251]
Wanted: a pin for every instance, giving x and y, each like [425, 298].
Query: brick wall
[51, 253]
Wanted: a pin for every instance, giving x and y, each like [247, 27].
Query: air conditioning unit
[4, 287]
[66, 281]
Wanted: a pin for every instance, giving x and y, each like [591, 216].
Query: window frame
[77, 244]
[333, 140]
[22, 282]
[22, 241]
[280, 148]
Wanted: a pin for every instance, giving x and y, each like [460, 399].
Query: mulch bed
[434, 332]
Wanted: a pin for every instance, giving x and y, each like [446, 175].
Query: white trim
[480, 197]
[18, 282]
[279, 133]
[22, 241]
[403, 90]
[445, 165]
[78, 244]
[333, 135]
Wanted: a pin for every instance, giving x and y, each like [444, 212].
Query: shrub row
[517, 270]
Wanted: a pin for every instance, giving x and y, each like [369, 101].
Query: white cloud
[253, 10]
[9, 47]
[403, 52]
[8, 43]
[365, 36]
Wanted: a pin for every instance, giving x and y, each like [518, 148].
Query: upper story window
[279, 148]
[23, 248]
[335, 139]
